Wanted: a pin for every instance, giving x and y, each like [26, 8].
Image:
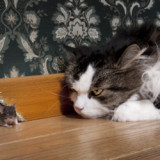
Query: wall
[31, 31]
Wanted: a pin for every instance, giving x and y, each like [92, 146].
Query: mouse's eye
[97, 92]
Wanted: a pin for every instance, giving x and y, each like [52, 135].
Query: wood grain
[71, 138]
[35, 96]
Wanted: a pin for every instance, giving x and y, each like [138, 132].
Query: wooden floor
[71, 138]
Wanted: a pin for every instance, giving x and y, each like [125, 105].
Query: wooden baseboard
[35, 96]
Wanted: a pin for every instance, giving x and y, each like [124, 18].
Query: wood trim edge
[35, 96]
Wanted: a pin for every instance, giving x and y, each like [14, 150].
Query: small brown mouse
[8, 115]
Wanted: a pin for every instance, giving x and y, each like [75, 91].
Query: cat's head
[102, 78]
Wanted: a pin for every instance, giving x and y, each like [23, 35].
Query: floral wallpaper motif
[76, 23]
[31, 31]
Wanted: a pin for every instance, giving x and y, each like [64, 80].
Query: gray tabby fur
[121, 67]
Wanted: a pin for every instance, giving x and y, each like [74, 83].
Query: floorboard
[73, 138]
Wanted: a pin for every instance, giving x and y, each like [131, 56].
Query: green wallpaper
[31, 31]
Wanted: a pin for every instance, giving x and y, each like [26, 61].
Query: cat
[119, 80]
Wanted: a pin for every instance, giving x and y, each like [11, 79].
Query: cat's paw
[136, 111]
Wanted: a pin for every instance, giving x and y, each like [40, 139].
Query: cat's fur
[126, 69]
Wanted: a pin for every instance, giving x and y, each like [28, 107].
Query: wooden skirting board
[35, 96]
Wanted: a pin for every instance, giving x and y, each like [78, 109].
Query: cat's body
[120, 78]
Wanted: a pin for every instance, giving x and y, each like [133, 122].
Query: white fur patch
[134, 97]
[84, 83]
[151, 81]
[83, 105]
[91, 108]
[136, 111]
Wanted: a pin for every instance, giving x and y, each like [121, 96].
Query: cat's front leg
[136, 111]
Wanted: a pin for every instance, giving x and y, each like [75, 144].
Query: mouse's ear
[14, 105]
[1, 108]
[130, 54]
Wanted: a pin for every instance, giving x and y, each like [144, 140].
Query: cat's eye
[97, 92]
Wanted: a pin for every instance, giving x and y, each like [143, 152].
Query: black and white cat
[120, 79]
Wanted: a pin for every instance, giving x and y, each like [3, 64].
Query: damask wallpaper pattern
[31, 31]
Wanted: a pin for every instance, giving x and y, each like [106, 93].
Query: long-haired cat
[120, 79]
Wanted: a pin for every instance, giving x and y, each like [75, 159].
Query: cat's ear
[130, 54]
[70, 51]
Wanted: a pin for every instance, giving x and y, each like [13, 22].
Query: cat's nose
[79, 109]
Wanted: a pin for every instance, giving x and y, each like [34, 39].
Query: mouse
[8, 115]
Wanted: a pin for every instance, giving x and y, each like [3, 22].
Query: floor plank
[72, 138]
